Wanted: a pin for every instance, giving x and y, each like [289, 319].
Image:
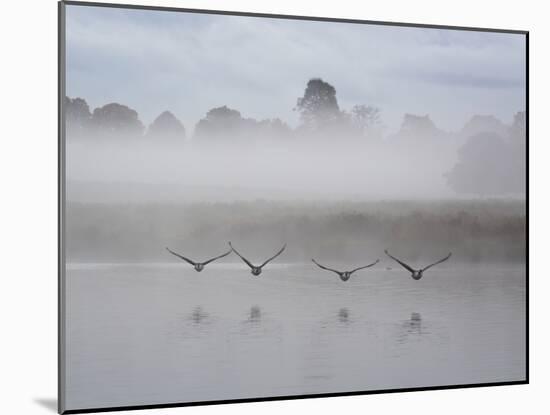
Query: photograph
[262, 207]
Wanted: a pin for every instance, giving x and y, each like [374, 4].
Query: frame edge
[61, 376]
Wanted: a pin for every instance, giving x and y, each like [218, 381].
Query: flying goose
[257, 270]
[345, 275]
[417, 273]
[199, 266]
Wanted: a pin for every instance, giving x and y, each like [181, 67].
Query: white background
[28, 187]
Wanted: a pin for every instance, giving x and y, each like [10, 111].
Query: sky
[189, 63]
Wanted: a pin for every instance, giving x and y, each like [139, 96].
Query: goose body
[416, 274]
[199, 266]
[256, 270]
[344, 275]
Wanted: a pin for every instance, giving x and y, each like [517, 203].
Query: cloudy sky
[189, 63]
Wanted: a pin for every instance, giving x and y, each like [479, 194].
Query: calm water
[161, 333]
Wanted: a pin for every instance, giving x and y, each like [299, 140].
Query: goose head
[199, 267]
[256, 271]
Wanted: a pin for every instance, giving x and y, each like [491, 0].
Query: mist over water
[413, 166]
[279, 171]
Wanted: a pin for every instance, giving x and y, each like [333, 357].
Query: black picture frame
[61, 204]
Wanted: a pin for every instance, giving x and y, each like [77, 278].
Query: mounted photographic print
[258, 207]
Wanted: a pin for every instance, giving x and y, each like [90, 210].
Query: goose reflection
[418, 332]
[411, 329]
[255, 314]
[414, 325]
[343, 315]
[194, 324]
[198, 316]
[258, 330]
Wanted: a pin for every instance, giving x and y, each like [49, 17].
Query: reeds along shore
[475, 231]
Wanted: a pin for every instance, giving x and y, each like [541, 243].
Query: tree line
[491, 154]
[318, 108]
[116, 120]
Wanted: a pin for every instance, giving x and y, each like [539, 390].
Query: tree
[226, 123]
[420, 132]
[166, 125]
[487, 165]
[366, 120]
[273, 128]
[116, 120]
[518, 130]
[318, 107]
[482, 124]
[220, 121]
[517, 139]
[418, 126]
[77, 115]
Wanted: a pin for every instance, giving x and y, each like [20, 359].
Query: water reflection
[252, 325]
[415, 323]
[255, 314]
[199, 316]
[411, 329]
[195, 342]
[257, 328]
[416, 334]
[190, 324]
[343, 315]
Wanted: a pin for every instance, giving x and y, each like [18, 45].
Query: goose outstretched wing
[438, 262]
[400, 262]
[216, 257]
[182, 257]
[326, 268]
[366, 266]
[274, 256]
[242, 257]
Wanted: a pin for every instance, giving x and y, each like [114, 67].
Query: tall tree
[318, 107]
